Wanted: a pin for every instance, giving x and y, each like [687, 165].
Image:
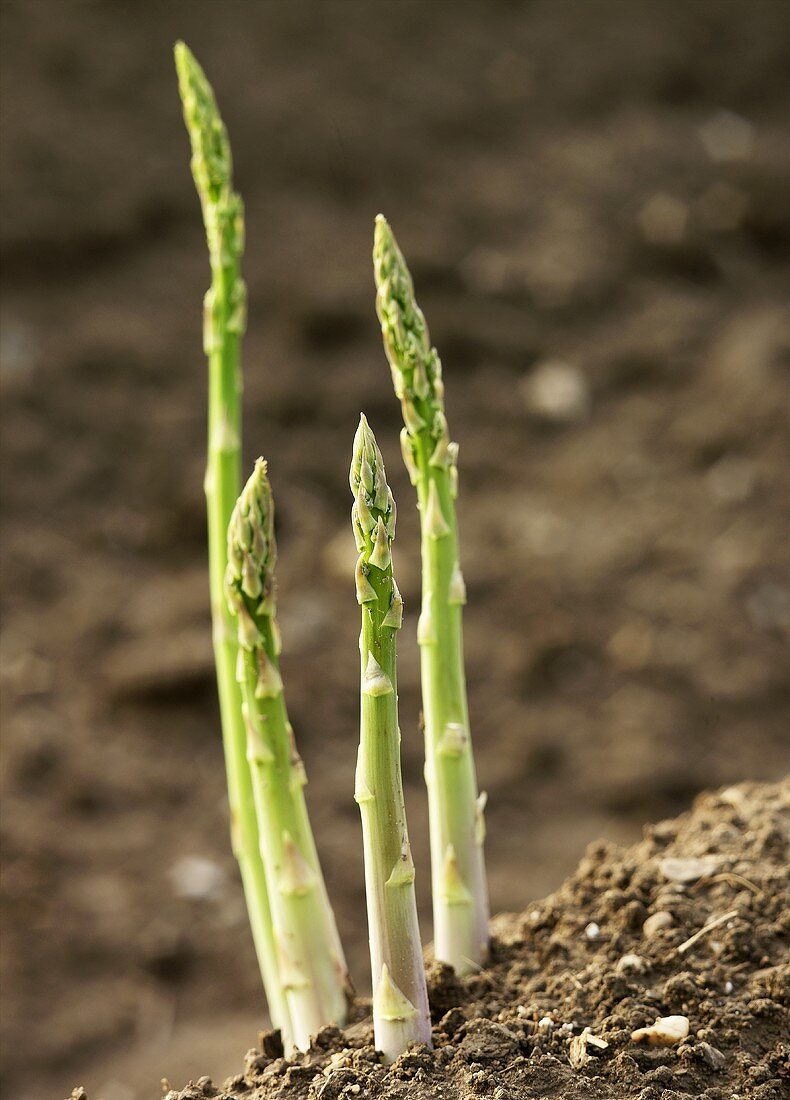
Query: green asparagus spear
[400, 1001]
[460, 897]
[312, 968]
[224, 320]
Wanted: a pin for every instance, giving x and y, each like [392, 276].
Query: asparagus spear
[312, 968]
[224, 321]
[400, 1000]
[460, 897]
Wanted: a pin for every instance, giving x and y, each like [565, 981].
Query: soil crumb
[680, 939]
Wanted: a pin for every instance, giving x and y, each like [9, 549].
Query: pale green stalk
[460, 896]
[400, 1000]
[224, 321]
[312, 967]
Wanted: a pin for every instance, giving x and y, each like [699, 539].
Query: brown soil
[627, 566]
[588, 956]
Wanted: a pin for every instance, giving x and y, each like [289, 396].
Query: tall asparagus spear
[400, 1000]
[460, 896]
[312, 968]
[224, 321]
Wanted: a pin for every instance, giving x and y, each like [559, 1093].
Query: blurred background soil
[594, 201]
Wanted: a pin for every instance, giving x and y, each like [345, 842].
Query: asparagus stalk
[224, 322]
[400, 1000]
[312, 967]
[460, 896]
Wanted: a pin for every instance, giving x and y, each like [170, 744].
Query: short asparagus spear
[400, 1001]
[224, 320]
[460, 896]
[312, 968]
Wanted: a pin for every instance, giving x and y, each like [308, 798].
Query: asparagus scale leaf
[458, 879]
[400, 1000]
[224, 322]
[312, 967]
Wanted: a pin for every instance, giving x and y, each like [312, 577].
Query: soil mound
[689, 924]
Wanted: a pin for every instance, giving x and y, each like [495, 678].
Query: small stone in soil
[706, 1053]
[631, 964]
[688, 870]
[657, 922]
[665, 1032]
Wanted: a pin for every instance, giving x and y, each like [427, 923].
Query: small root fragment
[683, 948]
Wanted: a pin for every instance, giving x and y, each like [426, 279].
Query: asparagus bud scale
[458, 880]
[400, 1000]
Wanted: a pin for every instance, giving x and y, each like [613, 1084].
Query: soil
[590, 956]
[599, 184]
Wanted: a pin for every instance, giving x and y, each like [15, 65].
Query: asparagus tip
[382, 234]
[211, 156]
[181, 53]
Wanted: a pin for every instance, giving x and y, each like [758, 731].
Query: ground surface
[603, 184]
[691, 923]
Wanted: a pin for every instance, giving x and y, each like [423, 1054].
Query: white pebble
[631, 964]
[656, 922]
[665, 1032]
[688, 870]
[728, 987]
[557, 391]
[197, 878]
[592, 931]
